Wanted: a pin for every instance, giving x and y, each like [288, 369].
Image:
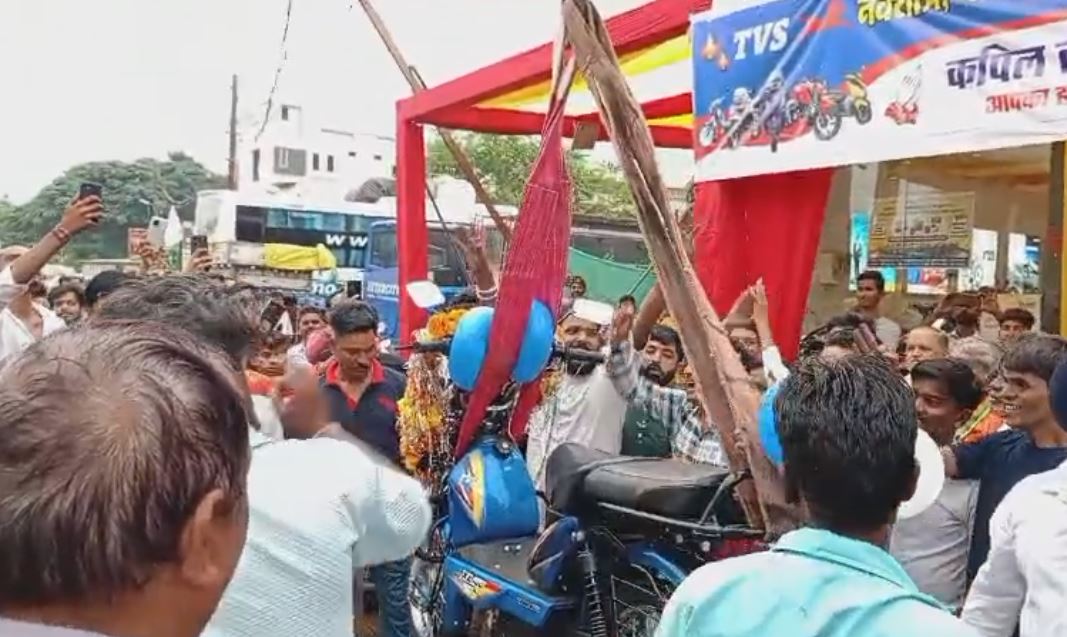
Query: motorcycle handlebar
[560, 352]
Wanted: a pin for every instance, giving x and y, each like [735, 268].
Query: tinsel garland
[424, 418]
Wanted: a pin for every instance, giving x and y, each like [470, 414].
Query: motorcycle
[812, 100]
[713, 128]
[622, 534]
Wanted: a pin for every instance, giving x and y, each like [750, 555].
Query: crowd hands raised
[176, 466]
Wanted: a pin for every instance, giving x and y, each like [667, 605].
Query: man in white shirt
[319, 510]
[584, 407]
[23, 322]
[870, 290]
[1022, 582]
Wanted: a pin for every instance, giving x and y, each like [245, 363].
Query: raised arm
[667, 406]
[79, 215]
[773, 367]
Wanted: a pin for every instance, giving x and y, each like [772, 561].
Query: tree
[126, 187]
[504, 163]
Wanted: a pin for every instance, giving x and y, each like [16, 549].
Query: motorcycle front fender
[648, 556]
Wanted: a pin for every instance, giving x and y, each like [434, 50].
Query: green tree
[126, 188]
[504, 163]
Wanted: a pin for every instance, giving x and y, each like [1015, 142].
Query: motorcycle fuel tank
[491, 495]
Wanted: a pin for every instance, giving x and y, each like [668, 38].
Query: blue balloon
[469, 345]
[536, 347]
[768, 426]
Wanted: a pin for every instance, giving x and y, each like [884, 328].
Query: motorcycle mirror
[425, 294]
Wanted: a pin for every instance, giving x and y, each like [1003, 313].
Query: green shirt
[644, 436]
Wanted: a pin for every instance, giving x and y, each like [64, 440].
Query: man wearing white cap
[584, 408]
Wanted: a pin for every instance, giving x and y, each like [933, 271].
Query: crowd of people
[176, 465]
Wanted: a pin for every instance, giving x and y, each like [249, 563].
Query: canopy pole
[417, 85]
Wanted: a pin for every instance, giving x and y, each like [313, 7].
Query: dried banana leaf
[729, 398]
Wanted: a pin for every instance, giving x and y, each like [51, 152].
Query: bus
[362, 237]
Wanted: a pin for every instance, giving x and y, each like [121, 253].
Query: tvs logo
[769, 37]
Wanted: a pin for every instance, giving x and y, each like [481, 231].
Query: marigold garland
[423, 420]
[443, 324]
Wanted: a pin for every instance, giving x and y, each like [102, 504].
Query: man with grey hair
[124, 454]
[983, 358]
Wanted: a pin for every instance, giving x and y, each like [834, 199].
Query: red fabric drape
[766, 227]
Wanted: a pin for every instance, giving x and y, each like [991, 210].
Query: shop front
[919, 138]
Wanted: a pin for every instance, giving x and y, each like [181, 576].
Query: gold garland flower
[443, 325]
[422, 422]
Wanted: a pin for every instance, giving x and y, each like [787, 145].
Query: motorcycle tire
[863, 111]
[827, 126]
[707, 134]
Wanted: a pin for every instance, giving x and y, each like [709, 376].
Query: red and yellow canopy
[511, 96]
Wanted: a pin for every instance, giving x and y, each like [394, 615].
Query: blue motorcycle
[622, 534]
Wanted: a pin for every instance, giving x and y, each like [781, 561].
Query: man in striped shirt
[691, 436]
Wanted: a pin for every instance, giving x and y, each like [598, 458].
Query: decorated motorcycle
[621, 532]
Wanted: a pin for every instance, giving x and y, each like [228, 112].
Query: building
[302, 157]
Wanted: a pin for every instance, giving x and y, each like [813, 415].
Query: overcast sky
[121, 79]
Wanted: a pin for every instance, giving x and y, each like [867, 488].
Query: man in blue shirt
[1034, 444]
[848, 429]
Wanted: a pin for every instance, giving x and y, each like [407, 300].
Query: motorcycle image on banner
[800, 84]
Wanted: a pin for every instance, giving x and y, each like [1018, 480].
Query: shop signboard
[784, 85]
[930, 231]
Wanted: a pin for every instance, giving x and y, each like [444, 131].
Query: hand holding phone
[271, 315]
[90, 189]
[86, 210]
[198, 243]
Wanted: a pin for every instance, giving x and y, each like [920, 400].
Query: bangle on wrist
[61, 234]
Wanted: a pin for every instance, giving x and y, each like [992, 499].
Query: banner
[930, 231]
[799, 84]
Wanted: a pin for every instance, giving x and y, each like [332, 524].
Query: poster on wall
[983, 270]
[797, 84]
[930, 231]
[1024, 262]
[859, 241]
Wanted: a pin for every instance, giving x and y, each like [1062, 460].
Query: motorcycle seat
[578, 476]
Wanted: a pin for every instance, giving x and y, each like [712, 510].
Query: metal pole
[231, 180]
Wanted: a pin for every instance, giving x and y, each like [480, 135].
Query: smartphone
[197, 242]
[89, 189]
[156, 227]
[270, 315]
